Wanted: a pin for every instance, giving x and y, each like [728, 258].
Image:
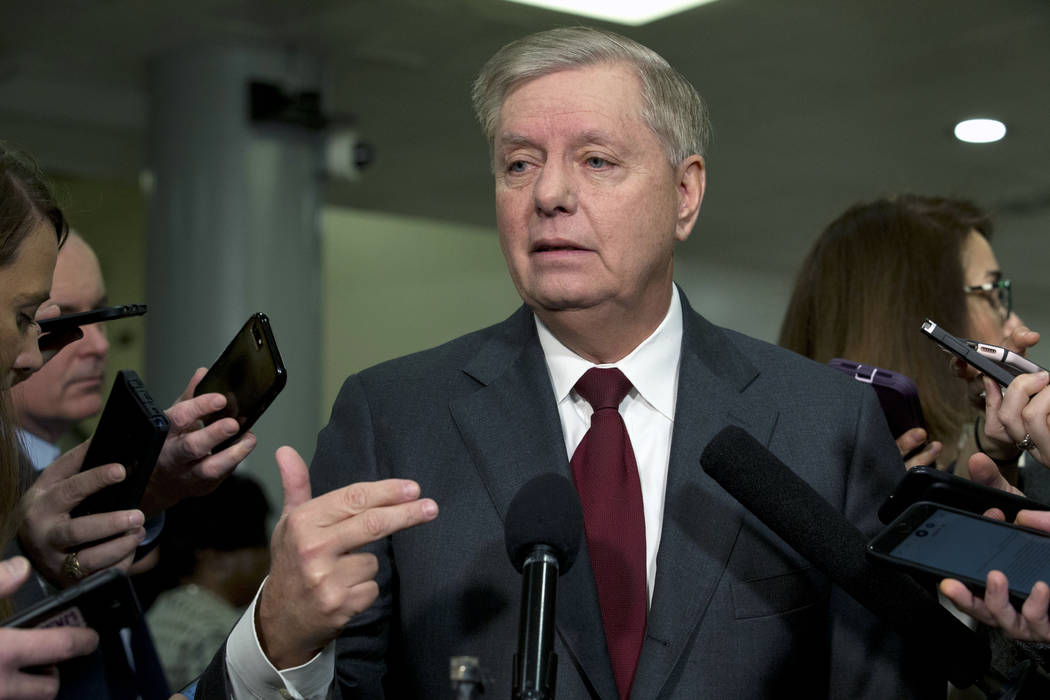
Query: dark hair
[872, 277]
[25, 201]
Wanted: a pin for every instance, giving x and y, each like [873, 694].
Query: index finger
[184, 413]
[355, 499]
[44, 647]
[376, 523]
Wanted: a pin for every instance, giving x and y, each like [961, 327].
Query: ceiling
[815, 104]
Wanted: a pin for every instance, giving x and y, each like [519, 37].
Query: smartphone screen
[249, 373]
[956, 544]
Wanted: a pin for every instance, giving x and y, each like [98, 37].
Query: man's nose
[555, 190]
[95, 340]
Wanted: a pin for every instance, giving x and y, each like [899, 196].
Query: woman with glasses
[872, 277]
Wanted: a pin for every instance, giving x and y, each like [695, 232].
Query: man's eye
[517, 166]
[597, 162]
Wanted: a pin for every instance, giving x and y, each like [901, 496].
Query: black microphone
[543, 528]
[790, 507]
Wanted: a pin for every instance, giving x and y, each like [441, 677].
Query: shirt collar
[646, 366]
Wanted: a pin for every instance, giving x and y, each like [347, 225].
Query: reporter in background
[71, 386]
[69, 389]
[872, 277]
[31, 229]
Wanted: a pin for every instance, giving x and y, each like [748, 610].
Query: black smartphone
[961, 349]
[936, 541]
[86, 318]
[105, 600]
[249, 373]
[131, 432]
[898, 395]
[929, 484]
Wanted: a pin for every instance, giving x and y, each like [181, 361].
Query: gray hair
[672, 108]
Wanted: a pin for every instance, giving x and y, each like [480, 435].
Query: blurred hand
[911, 440]
[186, 466]
[48, 533]
[38, 650]
[318, 581]
[1031, 622]
[1024, 409]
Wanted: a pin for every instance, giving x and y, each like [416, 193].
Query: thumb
[295, 478]
[13, 573]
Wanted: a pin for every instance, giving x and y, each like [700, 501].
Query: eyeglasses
[999, 295]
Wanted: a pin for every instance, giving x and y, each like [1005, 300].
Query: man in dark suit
[597, 152]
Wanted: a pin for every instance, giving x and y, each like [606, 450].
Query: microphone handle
[536, 664]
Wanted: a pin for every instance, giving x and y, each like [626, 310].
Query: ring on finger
[1026, 443]
[71, 567]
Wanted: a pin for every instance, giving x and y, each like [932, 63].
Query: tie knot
[603, 388]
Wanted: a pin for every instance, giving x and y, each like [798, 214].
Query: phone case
[882, 545]
[130, 432]
[897, 394]
[84, 318]
[105, 600]
[928, 484]
[959, 348]
[249, 372]
[1008, 359]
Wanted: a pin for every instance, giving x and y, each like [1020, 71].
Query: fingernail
[18, 565]
[218, 402]
[430, 509]
[136, 518]
[410, 489]
[116, 472]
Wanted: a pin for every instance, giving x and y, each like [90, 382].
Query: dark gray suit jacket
[735, 612]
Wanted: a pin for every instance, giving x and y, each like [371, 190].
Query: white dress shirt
[648, 411]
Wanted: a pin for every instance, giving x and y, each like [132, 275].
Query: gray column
[234, 229]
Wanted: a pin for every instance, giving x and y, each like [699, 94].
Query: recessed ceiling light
[980, 130]
[630, 12]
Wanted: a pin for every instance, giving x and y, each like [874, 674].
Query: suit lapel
[701, 521]
[511, 428]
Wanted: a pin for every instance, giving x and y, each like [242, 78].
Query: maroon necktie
[606, 476]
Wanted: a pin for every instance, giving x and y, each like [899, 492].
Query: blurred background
[319, 161]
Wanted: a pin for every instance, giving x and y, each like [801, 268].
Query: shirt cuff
[251, 675]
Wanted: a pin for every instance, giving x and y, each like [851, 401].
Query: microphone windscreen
[545, 511]
[792, 509]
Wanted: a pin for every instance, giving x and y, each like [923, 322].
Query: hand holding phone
[936, 541]
[1029, 623]
[249, 373]
[131, 433]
